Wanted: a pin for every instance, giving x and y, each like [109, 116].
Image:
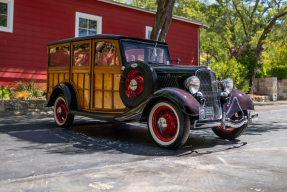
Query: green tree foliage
[241, 23]
[147, 4]
[279, 71]
[275, 53]
[234, 70]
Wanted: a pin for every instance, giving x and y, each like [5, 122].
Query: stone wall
[282, 89]
[271, 87]
[24, 107]
[266, 86]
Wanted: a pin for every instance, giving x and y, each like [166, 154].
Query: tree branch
[213, 55]
[253, 11]
[241, 17]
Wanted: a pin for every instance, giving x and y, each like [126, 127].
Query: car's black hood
[175, 75]
[177, 69]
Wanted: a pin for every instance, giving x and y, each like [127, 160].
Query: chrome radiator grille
[209, 89]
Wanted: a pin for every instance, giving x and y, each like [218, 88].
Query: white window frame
[87, 16]
[147, 29]
[10, 15]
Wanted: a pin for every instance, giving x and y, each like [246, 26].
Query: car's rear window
[59, 56]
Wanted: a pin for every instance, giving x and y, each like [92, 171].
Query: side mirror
[177, 60]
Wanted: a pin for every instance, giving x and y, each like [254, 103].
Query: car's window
[150, 53]
[59, 56]
[105, 54]
[81, 54]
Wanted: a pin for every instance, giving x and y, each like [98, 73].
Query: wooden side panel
[82, 84]
[61, 77]
[80, 99]
[75, 79]
[118, 104]
[106, 92]
[98, 100]
[98, 81]
[56, 75]
[108, 100]
[108, 83]
[117, 79]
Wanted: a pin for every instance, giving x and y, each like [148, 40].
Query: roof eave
[205, 25]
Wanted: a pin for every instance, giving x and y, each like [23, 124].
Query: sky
[212, 1]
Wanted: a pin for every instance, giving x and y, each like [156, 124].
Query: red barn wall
[23, 53]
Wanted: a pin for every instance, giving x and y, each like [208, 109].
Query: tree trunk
[162, 18]
[167, 22]
[259, 48]
[258, 53]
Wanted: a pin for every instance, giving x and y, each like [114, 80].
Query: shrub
[35, 88]
[23, 95]
[279, 71]
[7, 93]
[234, 70]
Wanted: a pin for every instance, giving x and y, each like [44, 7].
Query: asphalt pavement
[36, 155]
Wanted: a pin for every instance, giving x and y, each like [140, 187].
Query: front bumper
[224, 122]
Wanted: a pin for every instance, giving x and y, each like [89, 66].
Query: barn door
[81, 72]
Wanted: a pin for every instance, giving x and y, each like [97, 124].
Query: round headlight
[227, 85]
[192, 84]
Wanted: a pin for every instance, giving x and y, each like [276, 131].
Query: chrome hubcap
[161, 123]
[59, 110]
[133, 85]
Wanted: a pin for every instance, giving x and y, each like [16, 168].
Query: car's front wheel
[230, 132]
[168, 126]
[62, 117]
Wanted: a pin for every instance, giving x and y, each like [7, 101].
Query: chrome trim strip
[201, 124]
[235, 98]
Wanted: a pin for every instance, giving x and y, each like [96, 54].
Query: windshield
[149, 53]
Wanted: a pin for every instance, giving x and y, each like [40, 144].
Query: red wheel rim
[226, 129]
[61, 111]
[134, 84]
[169, 116]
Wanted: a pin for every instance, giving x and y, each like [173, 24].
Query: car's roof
[104, 36]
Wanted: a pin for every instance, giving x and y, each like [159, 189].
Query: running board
[99, 116]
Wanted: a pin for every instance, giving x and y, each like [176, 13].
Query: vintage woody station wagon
[122, 79]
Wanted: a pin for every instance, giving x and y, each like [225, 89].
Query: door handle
[89, 74]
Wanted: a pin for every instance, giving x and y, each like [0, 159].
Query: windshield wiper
[153, 50]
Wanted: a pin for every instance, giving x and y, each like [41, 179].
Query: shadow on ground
[86, 137]
[89, 136]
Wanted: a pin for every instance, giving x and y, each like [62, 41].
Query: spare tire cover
[138, 81]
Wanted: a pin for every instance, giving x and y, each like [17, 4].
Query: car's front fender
[243, 100]
[184, 100]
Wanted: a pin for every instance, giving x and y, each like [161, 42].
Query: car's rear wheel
[168, 126]
[62, 117]
[230, 132]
